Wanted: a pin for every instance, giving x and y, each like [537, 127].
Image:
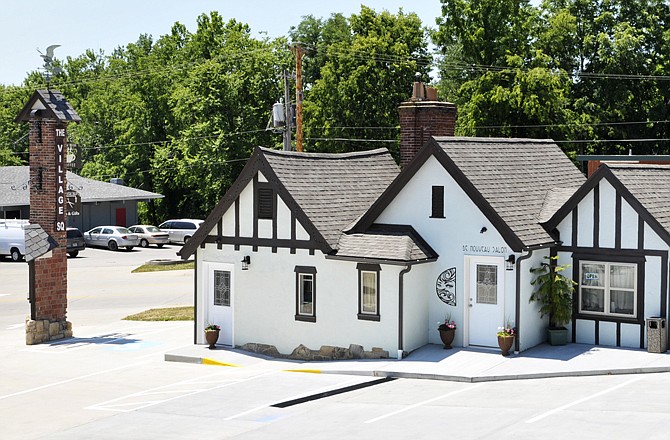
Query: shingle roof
[14, 190]
[387, 243]
[333, 189]
[650, 185]
[51, 101]
[514, 176]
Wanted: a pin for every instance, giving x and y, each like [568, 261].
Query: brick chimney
[421, 117]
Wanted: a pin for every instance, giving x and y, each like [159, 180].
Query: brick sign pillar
[48, 113]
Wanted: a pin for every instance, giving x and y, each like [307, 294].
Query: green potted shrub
[554, 293]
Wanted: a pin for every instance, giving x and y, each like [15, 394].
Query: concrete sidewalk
[457, 364]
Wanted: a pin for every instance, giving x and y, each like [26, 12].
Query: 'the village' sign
[61, 176]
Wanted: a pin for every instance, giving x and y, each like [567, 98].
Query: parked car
[180, 230]
[150, 235]
[111, 237]
[75, 242]
[12, 239]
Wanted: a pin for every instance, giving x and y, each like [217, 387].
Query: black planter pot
[557, 335]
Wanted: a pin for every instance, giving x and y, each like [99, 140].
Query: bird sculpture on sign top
[48, 67]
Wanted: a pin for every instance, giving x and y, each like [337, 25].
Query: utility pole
[287, 113]
[299, 51]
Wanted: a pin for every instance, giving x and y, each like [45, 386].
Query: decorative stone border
[325, 353]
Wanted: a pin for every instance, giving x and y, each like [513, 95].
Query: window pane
[593, 300]
[593, 275]
[622, 302]
[221, 288]
[306, 294]
[622, 277]
[369, 292]
[487, 284]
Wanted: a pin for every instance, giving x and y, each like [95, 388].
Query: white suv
[180, 230]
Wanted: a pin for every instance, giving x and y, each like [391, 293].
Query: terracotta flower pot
[505, 344]
[211, 336]
[447, 337]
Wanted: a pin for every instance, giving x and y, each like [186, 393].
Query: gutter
[401, 289]
[381, 260]
[517, 312]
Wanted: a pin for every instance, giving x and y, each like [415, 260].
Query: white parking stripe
[582, 400]
[74, 379]
[416, 405]
[116, 404]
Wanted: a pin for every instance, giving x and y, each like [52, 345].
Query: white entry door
[486, 300]
[220, 288]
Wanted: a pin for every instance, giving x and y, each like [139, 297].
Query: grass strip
[166, 314]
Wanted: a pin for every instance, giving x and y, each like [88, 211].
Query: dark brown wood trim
[617, 222]
[255, 210]
[575, 226]
[219, 233]
[596, 216]
[237, 220]
[293, 229]
[274, 219]
[640, 232]
[596, 331]
[264, 242]
[618, 334]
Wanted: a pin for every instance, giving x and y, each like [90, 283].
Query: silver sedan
[149, 235]
[111, 237]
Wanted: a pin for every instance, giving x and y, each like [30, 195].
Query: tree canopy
[180, 114]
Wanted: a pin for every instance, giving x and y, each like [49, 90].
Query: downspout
[517, 313]
[401, 288]
[195, 296]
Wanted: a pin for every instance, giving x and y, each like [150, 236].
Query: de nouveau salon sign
[485, 249]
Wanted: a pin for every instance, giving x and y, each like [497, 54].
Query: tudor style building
[322, 249]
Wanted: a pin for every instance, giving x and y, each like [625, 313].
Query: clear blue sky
[78, 25]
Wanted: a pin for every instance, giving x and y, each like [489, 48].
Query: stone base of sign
[43, 330]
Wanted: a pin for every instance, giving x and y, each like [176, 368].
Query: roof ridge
[359, 154]
[491, 139]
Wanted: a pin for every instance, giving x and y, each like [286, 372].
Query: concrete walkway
[457, 364]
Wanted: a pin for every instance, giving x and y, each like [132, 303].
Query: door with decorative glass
[220, 300]
[485, 299]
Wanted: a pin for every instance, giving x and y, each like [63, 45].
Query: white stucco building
[327, 249]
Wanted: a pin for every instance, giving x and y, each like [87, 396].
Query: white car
[111, 237]
[150, 235]
[12, 239]
[180, 230]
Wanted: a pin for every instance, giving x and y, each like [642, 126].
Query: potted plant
[212, 335]
[554, 293]
[506, 335]
[447, 331]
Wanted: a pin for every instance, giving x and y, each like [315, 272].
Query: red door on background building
[121, 217]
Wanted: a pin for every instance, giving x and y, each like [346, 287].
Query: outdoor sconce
[509, 263]
[482, 230]
[246, 261]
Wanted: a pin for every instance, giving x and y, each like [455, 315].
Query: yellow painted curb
[208, 361]
[304, 371]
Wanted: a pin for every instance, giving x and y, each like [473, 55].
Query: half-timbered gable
[614, 234]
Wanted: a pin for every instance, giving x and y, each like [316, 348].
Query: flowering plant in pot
[447, 331]
[212, 335]
[506, 335]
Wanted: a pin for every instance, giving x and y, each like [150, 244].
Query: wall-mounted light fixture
[246, 261]
[483, 229]
[509, 263]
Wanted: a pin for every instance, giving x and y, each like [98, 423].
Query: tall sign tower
[48, 113]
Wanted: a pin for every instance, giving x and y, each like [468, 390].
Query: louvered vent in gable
[265, 203]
